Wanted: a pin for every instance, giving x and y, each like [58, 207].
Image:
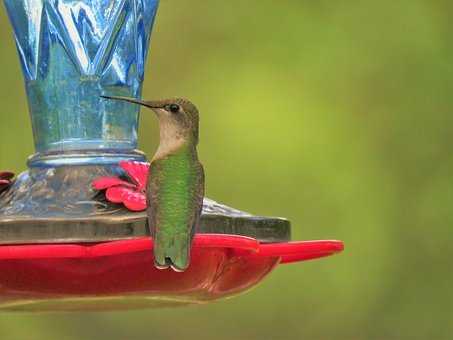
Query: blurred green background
[336, 115]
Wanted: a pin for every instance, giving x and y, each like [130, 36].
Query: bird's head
[178, 117]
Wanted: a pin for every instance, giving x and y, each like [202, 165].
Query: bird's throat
[172, 140]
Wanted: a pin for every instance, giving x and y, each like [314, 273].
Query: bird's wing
[198, 198]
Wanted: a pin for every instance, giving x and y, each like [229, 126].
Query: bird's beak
[150, 104]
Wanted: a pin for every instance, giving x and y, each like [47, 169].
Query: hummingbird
[175, 188]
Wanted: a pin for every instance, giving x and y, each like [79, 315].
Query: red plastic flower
[131, 194]
[6, 179]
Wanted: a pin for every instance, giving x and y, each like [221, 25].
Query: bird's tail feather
[172, 251]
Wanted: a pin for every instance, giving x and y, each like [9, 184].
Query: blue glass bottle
[73, 51]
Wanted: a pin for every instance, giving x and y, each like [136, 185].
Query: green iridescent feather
[176, 189]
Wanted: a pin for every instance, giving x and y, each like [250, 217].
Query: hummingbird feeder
[73, 231]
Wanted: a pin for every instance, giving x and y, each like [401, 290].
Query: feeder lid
[121, 224]
[59, 205]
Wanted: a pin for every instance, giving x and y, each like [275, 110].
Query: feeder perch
[63, 246]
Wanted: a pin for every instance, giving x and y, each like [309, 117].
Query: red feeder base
[121, 275]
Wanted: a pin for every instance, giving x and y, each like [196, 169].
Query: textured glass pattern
[72, 51]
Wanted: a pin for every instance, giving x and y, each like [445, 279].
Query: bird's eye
[173, 108]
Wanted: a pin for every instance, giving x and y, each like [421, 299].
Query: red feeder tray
[121, 274]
